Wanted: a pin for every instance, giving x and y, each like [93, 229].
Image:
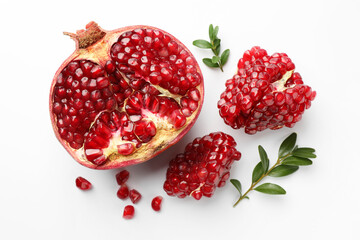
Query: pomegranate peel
[124, 96]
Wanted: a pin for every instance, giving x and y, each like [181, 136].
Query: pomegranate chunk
[203, 166]
[82, 183]
[124, 96]
[264, 93]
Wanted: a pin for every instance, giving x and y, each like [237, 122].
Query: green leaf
[304, 153]
[216, 48]
[264, 158]
[287, 145]
[283, 170]
[237, 185]
[296, 161]
[270, 188]
[209, 63]
[216, 30]
[211, 32]
[257, 172]
[202, 44]
[225, 56]
[215, 59]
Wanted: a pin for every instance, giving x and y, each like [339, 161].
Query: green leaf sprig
[290, 157]
[217, 61]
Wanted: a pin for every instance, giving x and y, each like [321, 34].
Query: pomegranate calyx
[85, 38]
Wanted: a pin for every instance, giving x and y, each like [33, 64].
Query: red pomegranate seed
[122, 177]
[156, 203]
[135, 196]
[123, 192]
[129, 212]
[82, 183]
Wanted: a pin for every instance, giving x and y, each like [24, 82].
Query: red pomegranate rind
[265, 93]
[156, 203]
[135, 196]
[82, 183]
[129, 212]
[203, 166]
[124, 96]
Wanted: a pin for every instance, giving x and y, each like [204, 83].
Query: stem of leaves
[290, 157]
[217, 61]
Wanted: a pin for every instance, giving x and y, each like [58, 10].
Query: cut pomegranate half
[124, 95]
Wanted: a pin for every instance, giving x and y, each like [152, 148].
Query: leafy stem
[290, 157]
[217, 61]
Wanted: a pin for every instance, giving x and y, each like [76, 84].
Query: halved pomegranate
[124, 95]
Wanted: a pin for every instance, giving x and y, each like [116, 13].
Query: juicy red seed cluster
[82, 183]
[81, 91]
[156, 203]
[156, 57]
[256, 99]
[203, 166]
[129, 212]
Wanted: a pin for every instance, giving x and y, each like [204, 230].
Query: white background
[38, 197]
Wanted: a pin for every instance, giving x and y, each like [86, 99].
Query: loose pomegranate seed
[129, 212]
[265, 93]
[156, 203]
[122, 177]
[82, 183]
[134, 195]
[203, 166]
[123, 192]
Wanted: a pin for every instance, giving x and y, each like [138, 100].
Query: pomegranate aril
[135, 196]
[129, 212]
[126, 149]
[82, 183]
[123, 192]
[156, 203]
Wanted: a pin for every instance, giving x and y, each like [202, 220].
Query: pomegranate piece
[124, 95]
[156, 203]
[129, 212]
[264, 93]
[135, 196]
[123, 192]
[203, 166]
[122, 177]
[82, 183]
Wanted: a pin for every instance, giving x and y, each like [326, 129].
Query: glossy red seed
[82, 183]
[156, 203]
[123, 192]
[135, 196]
[129, 212]
[122, 177]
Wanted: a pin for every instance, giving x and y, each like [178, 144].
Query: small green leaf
[257, 172]
[304, 153]
[215, 59]
[237, 185]
[216, 30]
[202, 44]
[283, 170]
[296, 161]
[225, 56]
[270, 188]
[287, 145]
[264, 158]
[209, 63]
[246, 197]
[211, 32]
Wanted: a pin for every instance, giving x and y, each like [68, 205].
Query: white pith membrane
[279, 85]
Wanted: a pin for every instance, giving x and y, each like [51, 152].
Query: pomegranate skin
[99, 53]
